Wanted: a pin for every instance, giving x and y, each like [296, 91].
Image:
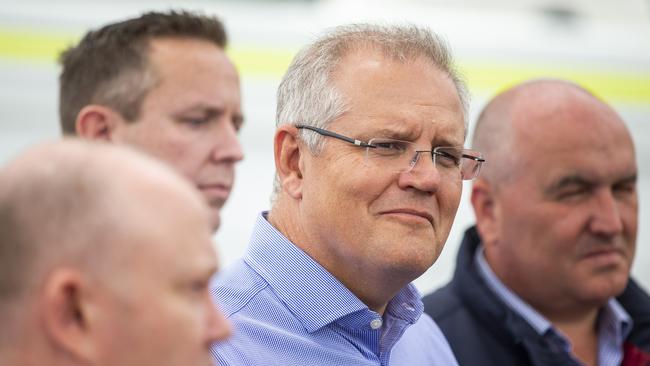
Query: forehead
[191, 64]
[411, 95]
[579, 135]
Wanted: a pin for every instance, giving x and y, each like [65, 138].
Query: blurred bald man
[103, 267]
[556, 213]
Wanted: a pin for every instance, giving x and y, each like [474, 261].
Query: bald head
[63, 202]
[511, 119]
[559, 188]
[100, 248]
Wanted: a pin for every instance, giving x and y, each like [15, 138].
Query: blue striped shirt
[288, 310]
[614, 323]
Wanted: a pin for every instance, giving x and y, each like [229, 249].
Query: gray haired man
[368, 152]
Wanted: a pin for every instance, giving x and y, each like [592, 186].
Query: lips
[410, 212]
[605, 256]
[215, 192]
[603, 251]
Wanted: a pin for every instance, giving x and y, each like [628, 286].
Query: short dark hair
[109, 66]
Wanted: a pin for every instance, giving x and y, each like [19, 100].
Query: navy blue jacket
[482, 330]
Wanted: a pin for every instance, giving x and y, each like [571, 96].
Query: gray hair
[307, 94]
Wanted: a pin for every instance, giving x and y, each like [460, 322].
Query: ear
[485, 210]
[287, 160]
[64, 310]
[97, 122]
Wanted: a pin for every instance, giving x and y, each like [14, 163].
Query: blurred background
[604, 45]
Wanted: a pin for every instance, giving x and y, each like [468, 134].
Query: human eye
[448, 157]
[194, 121]
[389, 147]
[238, 122]
[574, 191]
[625, 187]
[198, 286]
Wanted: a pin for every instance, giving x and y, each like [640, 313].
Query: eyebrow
[389, 132]
[442, 141]
[212, 111]
[629, 179]
[571, 180]
[578, 180]
[406, 134]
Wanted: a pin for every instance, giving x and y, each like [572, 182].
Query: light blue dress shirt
[614, 323]
[288, 310]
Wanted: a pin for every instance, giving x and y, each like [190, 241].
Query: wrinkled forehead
[412, 95]
[579, 134]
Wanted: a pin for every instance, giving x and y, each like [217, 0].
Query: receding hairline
[498, 122]
[357, 38]
[109, 66]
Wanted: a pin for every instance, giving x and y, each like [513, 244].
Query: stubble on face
[191, 116]
[374, 221]
[568, 218]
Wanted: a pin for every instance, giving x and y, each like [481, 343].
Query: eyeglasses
[402, 156]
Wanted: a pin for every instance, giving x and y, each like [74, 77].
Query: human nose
[606, 217]
[423, 176]
[227, 146]
[218, 327]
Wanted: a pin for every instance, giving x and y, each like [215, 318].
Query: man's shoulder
[263, 323]
[636, 302]
[235, 287]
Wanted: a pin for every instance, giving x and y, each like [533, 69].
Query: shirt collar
[534, 318]
[310, 292]
[612, 316]
[616, 319]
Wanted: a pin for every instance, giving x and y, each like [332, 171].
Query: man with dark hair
[162, 83]
[556, 220]
[103, 269]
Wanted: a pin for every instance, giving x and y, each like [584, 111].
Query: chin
[215, 221]
[600, 290]
[413, 264]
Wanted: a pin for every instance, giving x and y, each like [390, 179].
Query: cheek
[629, 217]
[350, 187]
[449, 197]
[177, 318]
[552, 237]
[525, 229]
[183, 151]
[172, 146]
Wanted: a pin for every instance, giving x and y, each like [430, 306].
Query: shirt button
[376, 324]
[408, 307]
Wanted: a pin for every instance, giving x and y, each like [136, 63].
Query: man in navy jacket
[537, 278]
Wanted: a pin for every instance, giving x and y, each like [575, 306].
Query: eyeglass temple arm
[335, 135]
[476, 158]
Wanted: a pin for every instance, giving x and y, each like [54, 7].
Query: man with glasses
[369, 160]
[556, 222]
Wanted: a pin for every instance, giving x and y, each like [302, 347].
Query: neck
[578, 322]
[582, 332]
[374, 288]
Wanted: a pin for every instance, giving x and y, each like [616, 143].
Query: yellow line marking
[39, 46]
